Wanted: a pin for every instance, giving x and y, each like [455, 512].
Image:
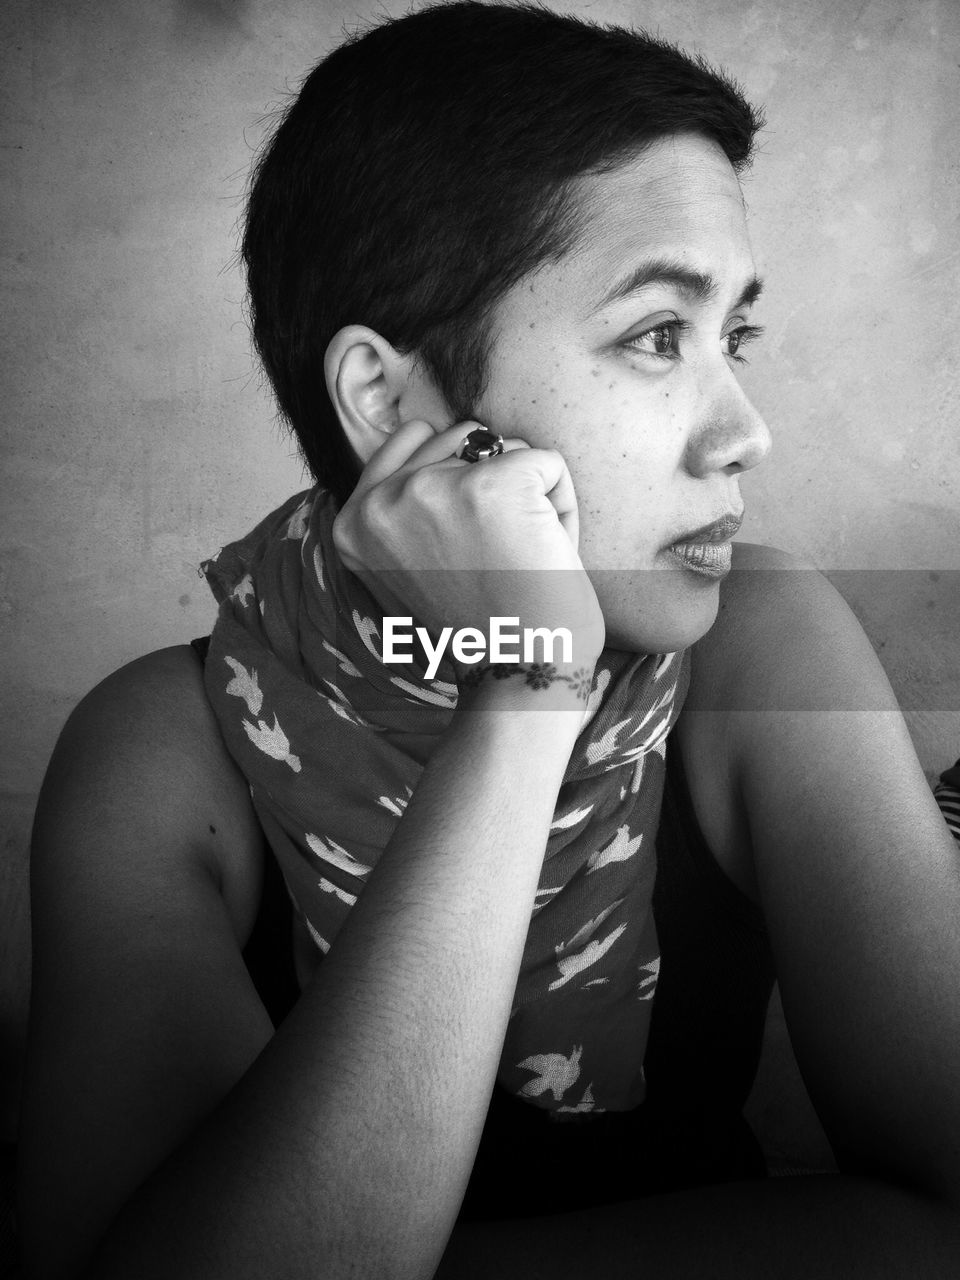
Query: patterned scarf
[332, 742]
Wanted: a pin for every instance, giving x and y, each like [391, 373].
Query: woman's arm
[341, 1145]
[145, 878]
[859, 880]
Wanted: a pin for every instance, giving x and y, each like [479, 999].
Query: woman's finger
[421, 450]
[443, 447]
[394, 452]
[554, 476]
[413, 445]
[443, 450]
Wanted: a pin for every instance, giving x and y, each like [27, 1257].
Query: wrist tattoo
[536, 675]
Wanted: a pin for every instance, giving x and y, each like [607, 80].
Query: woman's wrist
[527, 686]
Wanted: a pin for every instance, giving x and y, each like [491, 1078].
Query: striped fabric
[947, 793]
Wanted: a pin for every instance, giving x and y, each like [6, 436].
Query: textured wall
[137, 437]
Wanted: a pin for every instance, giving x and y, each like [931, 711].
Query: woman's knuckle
[420, 487]
[483, 484]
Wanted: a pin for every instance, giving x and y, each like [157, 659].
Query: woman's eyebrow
[696, 286]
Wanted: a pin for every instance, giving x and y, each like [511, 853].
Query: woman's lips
[720, 530]
[708, 550]
[711, 559]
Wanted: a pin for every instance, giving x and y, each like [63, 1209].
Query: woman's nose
[732, 436]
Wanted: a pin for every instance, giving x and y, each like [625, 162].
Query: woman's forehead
[679, 201]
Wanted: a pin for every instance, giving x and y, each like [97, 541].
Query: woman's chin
[656, 611]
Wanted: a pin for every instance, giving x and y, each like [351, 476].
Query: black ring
[479, 445]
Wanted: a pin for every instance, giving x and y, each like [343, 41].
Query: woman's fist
[455, 544]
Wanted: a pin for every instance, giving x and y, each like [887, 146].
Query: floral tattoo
[536, 675]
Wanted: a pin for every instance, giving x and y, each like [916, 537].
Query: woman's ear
[366, 379]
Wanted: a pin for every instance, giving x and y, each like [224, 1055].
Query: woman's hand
[455, 544]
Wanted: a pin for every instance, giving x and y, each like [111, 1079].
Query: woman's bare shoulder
[146, 738]
[782, 632]
[784, 641]
[721, 678]
[162, 690]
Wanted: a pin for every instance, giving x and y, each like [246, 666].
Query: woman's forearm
[823, 1227]
[346, 1147]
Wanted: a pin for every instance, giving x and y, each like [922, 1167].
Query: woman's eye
[661, 340]
[736, 338]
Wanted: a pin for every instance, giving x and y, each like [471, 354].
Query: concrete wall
[137, 437]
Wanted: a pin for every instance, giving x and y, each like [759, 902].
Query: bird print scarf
[332, 741]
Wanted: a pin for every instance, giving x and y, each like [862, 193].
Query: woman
[496, 216]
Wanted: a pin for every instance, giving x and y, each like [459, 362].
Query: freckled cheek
[555, 413]
[528, 397]
[624, 479]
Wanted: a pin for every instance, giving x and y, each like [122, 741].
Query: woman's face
[624, 357]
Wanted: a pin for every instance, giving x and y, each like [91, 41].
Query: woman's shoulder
[166, 684]
[757, 597]
[143, 750]
[150, 712]
[784, 640]
[784, 644]
[748, 610]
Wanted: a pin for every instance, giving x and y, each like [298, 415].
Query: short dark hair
[426, 166]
